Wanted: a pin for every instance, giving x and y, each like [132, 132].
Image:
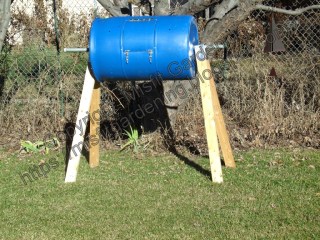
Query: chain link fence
[268, 95]
[270, 81]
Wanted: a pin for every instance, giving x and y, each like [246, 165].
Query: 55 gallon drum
[142, 48]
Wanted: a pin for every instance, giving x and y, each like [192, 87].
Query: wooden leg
[207, 75]
[210, 125]
[221, 127]
[95, 126]
[81, 125]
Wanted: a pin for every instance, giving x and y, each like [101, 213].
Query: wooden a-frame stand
[213, 118]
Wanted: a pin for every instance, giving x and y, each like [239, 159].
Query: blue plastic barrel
[143, 48]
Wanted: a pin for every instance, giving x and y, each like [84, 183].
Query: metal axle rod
[76, 49]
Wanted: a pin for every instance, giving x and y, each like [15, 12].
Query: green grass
[271, 195]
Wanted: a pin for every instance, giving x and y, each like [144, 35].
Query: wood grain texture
[210, 125]
[95, 127]
[206, 75]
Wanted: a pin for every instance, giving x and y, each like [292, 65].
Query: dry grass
[41, 92]
[260, 110]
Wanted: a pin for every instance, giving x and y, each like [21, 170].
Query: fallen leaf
[42, 162]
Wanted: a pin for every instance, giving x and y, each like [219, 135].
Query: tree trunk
[4, 20]
[227, 17]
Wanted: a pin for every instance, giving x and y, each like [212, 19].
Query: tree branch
[111, 8]
[121, 3]
[219, 30]
[191, 7]
[223, 8]
[285, 11]
[5, 20]
[220, 11]
[161, 7]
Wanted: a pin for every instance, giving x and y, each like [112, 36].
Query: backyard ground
[272, 194]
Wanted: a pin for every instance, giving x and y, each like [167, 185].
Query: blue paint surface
[143, 48]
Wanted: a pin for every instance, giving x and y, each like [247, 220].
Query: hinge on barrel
[150, 55]
[126, 52]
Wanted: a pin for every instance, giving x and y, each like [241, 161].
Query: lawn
[270, 195]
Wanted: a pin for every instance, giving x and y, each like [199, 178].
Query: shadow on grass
[168, 135]
[192, 164]
[163, 122]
